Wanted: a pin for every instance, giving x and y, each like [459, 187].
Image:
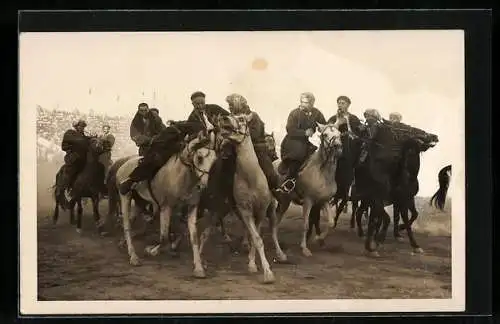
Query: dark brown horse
[88, 184]
[389, 176]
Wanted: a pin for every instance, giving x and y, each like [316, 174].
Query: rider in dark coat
[75, 143]
[211, 111]
[295, 147]
[144, 127]
[343, 103]
[163, 146]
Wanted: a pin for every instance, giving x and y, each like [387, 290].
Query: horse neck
[246, 158]
[325, 158]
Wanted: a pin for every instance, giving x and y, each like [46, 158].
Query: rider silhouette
[75, 143]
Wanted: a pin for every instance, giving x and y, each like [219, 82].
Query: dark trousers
[150, 164]
[266, 164]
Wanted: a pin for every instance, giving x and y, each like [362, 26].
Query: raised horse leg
[385, 221]
[396, 217]
[409, 231]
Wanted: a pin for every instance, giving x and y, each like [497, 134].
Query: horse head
[234, 127]
[201, 155]
[271, 145]
[96, 145]
[423, 141]
[330, 139]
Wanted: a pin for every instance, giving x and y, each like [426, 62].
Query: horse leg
[306, 209]
[413, 242]
[79, 214]
[253, 227]
[71, 207]
[273, 222]
[396, 217]
[325, 209]
[372, 223]
[55, 216]
[386, 221]
[359, 215]
[353, 214]
[414, 214]
[165, 216]
[198, 271]
[125, 202]
[97, 217]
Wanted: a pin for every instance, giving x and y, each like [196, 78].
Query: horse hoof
[152, 250]
[199, 273]
[306, 252]
[418, 250]
[79, 230]
[269, 278]
[283, 259]
[373, 254]
[252, 268]
[399, 239]
[134, 260]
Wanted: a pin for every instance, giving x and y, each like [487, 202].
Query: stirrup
[287, 186]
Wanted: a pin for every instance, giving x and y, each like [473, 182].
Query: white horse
[184, 174]
[315, 183]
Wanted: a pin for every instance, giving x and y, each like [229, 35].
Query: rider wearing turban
[238, 105]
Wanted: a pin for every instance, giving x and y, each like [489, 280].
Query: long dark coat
[75, 144]
[142, 130]
[295, 145]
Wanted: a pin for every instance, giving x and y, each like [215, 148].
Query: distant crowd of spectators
[51, 125]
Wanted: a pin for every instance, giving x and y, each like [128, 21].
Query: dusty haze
[418, 73]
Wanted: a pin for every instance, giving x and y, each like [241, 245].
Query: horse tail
[439, 198]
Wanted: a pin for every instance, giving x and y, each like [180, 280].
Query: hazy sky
[418, 73]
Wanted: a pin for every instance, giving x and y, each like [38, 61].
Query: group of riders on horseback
[157, 142]
[380, 158]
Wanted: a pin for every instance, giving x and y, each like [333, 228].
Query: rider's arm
[320, 118]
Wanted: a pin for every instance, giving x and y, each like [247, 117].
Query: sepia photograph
[242, 172]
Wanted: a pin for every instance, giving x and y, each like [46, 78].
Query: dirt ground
[85, 266]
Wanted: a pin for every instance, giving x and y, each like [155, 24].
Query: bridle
[240, 129]
[327, 146]
[187, 159]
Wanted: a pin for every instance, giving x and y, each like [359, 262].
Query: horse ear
[321, 127]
